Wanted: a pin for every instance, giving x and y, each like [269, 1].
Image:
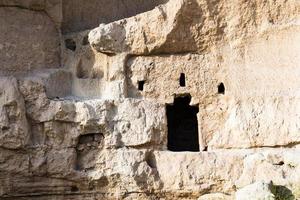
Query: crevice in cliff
[148, 145]
[288, 146]
[22, 7]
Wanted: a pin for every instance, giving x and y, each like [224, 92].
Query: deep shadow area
[221, 88]
[70, 44]
[182, 125]
[182, 80]
[141, 85]
[282, 193]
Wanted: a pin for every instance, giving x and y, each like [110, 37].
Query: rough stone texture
[259, 191]
[79, 15]
[215, 196]
[83, 114]
[28, 41]
[193, 26]
[13, 122]
[53, 8]
[264, 191]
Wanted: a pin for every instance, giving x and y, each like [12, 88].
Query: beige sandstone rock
[257, 191]
[81, 14]
[14, 130]
[29, 41]
[215, 196]
[181, 26]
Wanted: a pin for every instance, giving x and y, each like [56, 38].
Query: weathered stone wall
[83, 112]
[80, 15]
[29, 41]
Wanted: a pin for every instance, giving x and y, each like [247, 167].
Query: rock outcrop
[190, 99]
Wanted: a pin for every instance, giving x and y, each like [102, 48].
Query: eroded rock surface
[85, 113]
[28, 41]
[13, 124]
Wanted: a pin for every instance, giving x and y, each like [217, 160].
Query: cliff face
[190, 99]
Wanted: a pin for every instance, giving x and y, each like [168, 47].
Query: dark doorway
[182, 125]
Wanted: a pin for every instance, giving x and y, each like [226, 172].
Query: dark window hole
[141, 85]
[70, 44]
[182, 125]
[205, 148]
[182, 80]
[221, 88]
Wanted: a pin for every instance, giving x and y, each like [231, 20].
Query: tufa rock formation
[178, 99]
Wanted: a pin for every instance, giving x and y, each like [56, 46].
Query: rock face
[190, 99]
[18, 52]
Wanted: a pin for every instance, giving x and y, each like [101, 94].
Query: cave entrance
[182, 125]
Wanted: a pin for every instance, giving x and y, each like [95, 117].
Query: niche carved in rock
[87, 149]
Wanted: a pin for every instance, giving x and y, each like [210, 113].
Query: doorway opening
[182, 125]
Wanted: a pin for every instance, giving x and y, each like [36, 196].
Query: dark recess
[182, 125]
[87, 147]
[70, 44]
[221, 88]
[74, 189]
[141, 85]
